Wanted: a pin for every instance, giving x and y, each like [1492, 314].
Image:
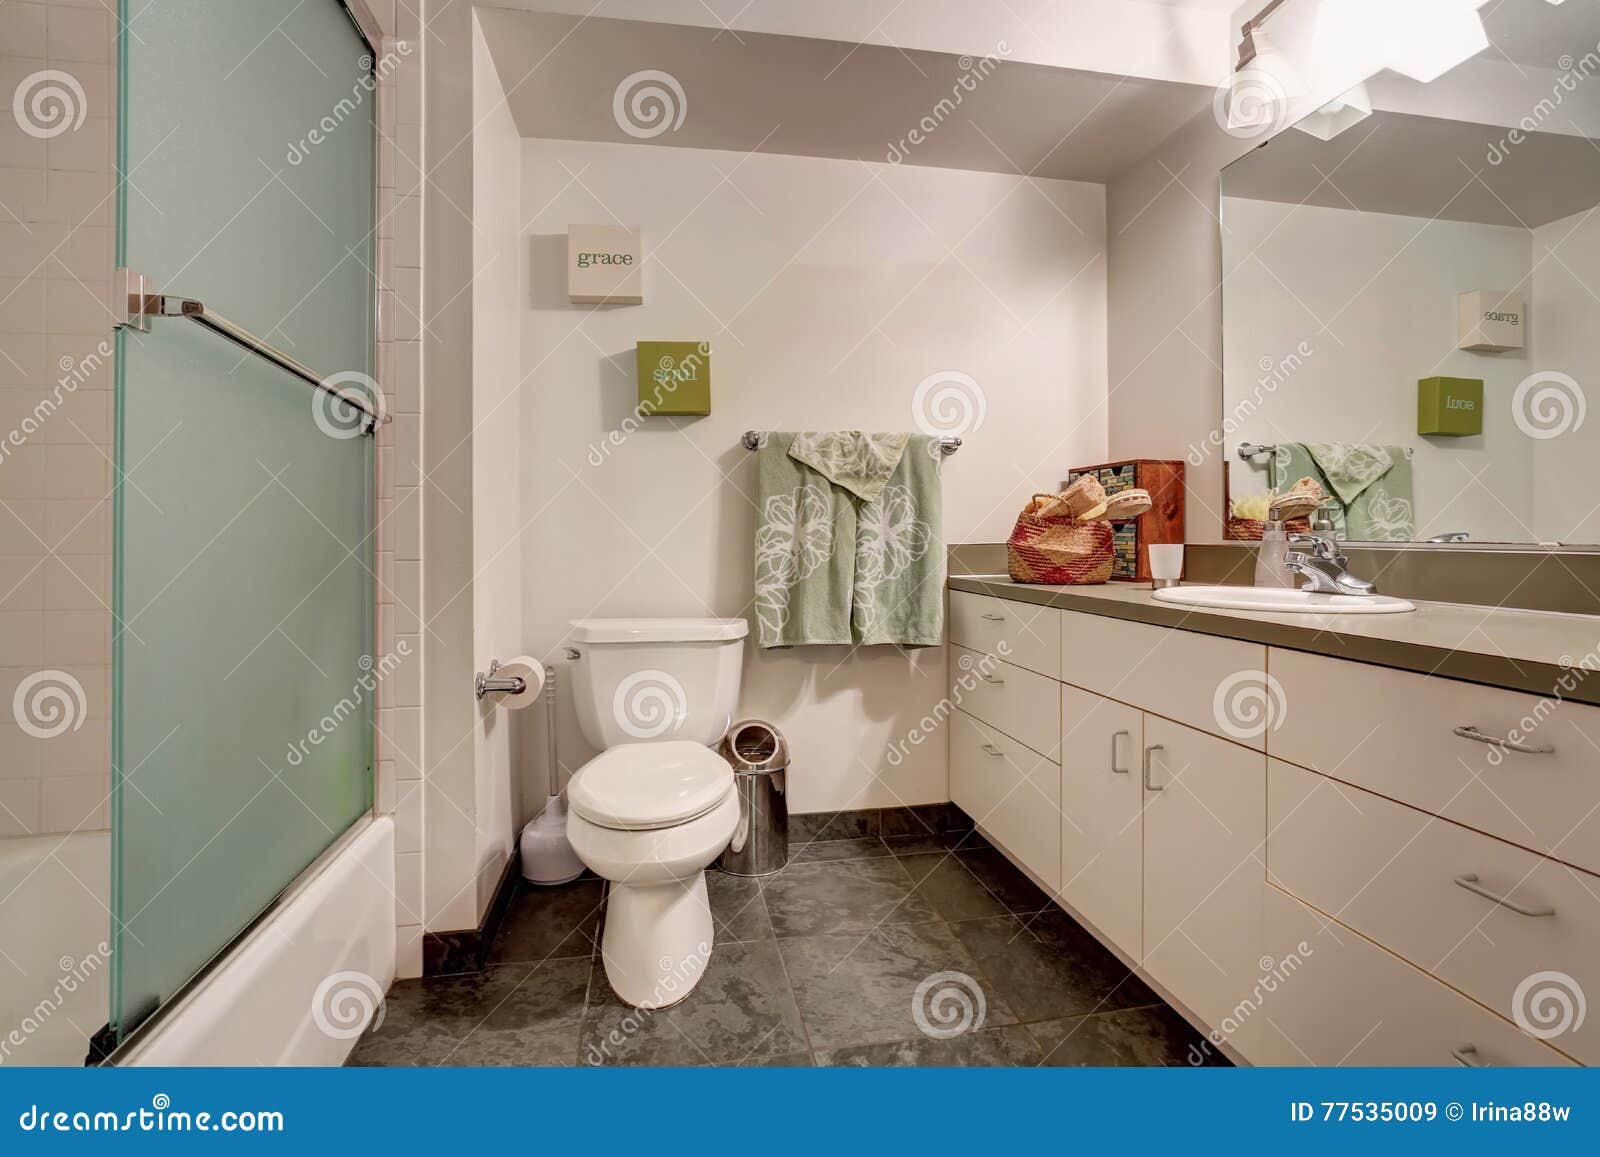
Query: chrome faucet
[1322, 565]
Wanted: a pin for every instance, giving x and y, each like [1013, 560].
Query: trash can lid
[753, 745]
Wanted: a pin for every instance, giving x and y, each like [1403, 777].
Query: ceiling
[1423, 167]
[810, 97]
[1537, 33]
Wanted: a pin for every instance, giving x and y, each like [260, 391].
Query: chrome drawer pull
[1116, 735]
[991, 679]
[1467, 1055]
[1468, 731]
[1148, 786]
[993, 750]
[1470, 883]
[993, 618]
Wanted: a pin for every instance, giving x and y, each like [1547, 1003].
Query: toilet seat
[648, 786]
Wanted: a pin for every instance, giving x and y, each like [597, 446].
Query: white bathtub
[301, 986]
[55, 971]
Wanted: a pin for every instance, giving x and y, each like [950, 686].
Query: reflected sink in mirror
[1280, 600]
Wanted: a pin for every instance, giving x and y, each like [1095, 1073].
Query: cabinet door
[1101, 834]
[1204, 870]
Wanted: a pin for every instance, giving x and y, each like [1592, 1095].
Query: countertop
[1541, 652]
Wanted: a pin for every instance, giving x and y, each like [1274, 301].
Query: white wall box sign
[603, 265]
[1492, 320]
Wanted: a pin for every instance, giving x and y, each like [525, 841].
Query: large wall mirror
[1411, 298]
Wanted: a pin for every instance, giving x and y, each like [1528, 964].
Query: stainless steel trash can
[759, 756]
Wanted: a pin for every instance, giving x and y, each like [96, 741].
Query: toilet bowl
[652, 811]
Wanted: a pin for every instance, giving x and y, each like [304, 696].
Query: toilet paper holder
[485, 682]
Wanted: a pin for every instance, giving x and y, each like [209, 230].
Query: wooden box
[1163, 522]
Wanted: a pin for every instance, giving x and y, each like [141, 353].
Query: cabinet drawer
[1217, 685]
[1339, 999]
[1023, 704]
[1393, 733]
[1031, 635]
[1013, 792]
[1390, 872]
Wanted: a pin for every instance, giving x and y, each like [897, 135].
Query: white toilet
[651, 811]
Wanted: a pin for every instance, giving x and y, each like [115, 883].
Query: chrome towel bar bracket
[140, 305]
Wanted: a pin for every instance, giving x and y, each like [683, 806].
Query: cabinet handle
[1148, 786]
[992, 749]
[991, 679]
[1467, 1055]
[993, 618]
[1470, 883]
[1468, 731]
[1116, 735]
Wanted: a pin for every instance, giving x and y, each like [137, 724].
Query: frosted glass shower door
[243, 578]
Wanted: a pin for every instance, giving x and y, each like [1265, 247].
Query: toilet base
[657, 940]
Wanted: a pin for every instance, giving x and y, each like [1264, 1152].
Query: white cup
[1166, 563]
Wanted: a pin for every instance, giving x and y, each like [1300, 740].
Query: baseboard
[888, 822]
[450, 953]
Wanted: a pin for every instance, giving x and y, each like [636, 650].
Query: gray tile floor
[816, 965]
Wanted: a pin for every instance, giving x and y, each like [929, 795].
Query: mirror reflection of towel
[1372, 483]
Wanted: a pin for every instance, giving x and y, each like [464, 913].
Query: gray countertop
[1534, 651]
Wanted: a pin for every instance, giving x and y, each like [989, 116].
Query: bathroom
[656, 534]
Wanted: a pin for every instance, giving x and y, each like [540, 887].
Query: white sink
[1279, 599]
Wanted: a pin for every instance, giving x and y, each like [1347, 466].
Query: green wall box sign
[1450, 406]
[674, 377]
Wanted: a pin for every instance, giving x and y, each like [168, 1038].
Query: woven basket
[1251, 529]
[1050, 546]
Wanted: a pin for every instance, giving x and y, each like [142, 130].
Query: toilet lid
[639, 786]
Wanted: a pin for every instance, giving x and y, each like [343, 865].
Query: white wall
[829, 290]
[496, 494]
[1564, 319]
[1374, 297]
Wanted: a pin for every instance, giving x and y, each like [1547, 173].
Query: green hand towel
[1372, 483]
[835, 567]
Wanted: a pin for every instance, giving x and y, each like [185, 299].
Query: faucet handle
[1318, 544]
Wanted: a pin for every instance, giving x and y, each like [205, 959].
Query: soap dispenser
[1270, 571]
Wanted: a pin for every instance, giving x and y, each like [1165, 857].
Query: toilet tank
[646, 680]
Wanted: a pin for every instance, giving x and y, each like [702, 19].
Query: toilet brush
[547, 856]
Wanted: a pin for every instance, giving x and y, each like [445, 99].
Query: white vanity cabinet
[1302, 851]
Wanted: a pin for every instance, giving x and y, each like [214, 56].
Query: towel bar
[948, 444]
